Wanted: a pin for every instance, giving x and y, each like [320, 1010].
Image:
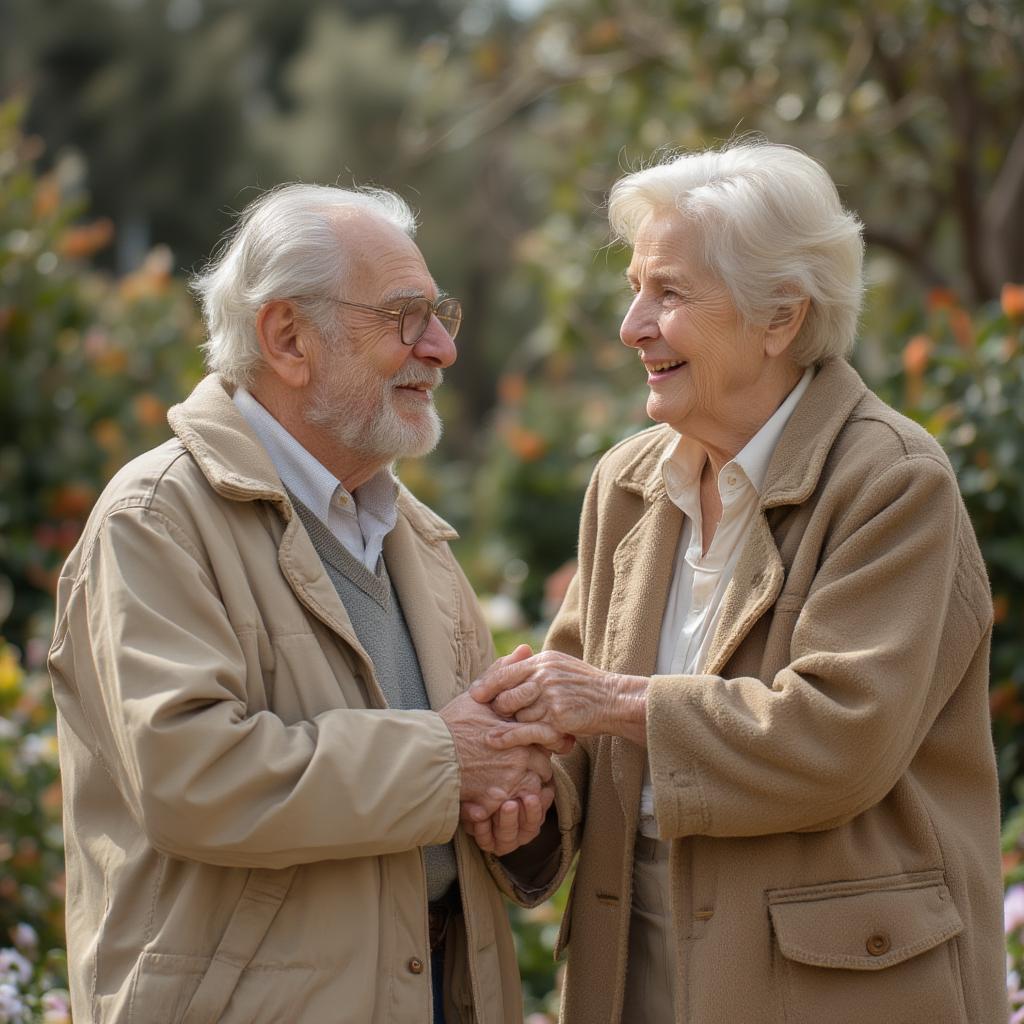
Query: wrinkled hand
[495, 774]
[555, 690]
[515, 823]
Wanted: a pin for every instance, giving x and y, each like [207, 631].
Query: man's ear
[784, 326]
[285, 343]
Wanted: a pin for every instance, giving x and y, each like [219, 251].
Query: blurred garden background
[132, 130]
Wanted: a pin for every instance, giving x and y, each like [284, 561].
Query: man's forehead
[385, 261]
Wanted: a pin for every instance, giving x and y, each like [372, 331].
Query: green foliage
[962, 377]
[90, 366]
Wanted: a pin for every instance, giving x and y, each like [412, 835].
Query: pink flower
[1013, 908]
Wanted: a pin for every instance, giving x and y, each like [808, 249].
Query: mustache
[410, 375]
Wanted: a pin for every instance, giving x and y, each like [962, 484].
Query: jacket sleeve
[161, 677]
[832, 732]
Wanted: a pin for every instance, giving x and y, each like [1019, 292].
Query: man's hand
[555, 690]
[515, 823]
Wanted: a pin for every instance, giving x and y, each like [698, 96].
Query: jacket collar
[238, 467]
[799, 457]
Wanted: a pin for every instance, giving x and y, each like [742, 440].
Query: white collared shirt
[699, 581]
[360, 520]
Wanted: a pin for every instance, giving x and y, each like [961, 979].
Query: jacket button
[415, 965]
[878, 944]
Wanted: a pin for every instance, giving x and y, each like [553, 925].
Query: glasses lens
[449, 312]
[415, 320]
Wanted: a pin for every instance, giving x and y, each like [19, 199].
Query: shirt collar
[684, 459]
[306, 477]
[757, 453]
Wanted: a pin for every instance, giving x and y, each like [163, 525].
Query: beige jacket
[828, 783]
[243, 813]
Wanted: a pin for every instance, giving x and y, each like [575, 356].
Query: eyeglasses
[414, 314]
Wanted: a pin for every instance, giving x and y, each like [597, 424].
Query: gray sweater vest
[372, 604]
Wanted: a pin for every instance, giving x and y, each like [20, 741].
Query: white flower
[1013, 908]
[8, 730]
[38, 748]
[12, 1009]
[24, 936]
[14, 967]
[56, 1006]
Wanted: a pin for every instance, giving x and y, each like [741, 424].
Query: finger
[531, 783]
[500, 677]
[530, 816]
[539, 761]
[527, 734]
[521, 653]
[546, 798]
[483, 833]
[516, 698]
[505, 824]
[473, 813]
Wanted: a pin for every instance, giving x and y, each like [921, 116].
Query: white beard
[359, 410]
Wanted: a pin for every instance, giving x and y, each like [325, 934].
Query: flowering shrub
[32, 970]
[963, 379]
[91, 365]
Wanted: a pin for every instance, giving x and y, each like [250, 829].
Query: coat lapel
[644, 562]
[755, 585]
[428, 592]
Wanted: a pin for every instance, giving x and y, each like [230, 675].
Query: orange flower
[86, 239]
[1000, 608]
[604, 33]
[1012, 300]
[149, 410]
[152, 279]
[108, 435]
[941, 298]
[47, 196]
[1002, 700]
[916, 355]
[524, 443]
[963, 329]
[72, 501]
[511, 388]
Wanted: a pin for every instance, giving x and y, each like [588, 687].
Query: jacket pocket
[164, 986]
[878, 949]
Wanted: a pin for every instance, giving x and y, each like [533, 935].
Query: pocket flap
[866, 929]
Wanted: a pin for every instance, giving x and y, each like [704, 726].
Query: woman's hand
[555, 690]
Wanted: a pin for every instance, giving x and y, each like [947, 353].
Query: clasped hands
[506, 727]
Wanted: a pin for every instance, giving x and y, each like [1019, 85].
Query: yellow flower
[10, 671]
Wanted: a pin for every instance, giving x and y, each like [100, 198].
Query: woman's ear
[785, 325]
[284, 343]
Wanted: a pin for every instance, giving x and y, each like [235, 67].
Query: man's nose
[436, 345]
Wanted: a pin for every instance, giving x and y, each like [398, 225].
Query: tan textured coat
[220, 724]
[829, 781]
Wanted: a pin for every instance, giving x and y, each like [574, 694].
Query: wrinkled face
[373, 394]
[700, 359]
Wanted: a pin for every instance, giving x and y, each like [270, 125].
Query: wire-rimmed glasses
[413, 315]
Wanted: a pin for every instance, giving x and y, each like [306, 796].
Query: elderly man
[775, 651]
[260, 804]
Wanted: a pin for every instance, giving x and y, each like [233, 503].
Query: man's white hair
[285, 245]
[772, 229]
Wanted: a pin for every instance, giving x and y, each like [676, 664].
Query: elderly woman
[774, 654]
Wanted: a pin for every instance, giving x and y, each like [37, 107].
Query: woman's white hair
[285, 244]
[772, 228]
